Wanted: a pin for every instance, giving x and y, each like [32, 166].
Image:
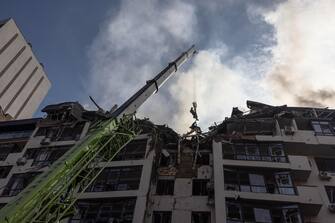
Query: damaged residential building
[272, 164]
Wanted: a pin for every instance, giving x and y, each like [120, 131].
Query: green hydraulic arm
[52, 194]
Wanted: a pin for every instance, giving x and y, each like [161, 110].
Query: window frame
[165, 187]
[164, 216]
[202, 184]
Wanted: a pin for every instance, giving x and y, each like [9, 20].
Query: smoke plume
[292, 64]
[302, 70]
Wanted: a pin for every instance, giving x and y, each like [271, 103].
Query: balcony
[308, 198]
[252, 212]
[298, 165]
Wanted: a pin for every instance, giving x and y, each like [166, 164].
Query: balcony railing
[268, 158]
[268, 188]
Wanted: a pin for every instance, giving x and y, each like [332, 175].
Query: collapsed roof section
[71, 112]
[262, 119]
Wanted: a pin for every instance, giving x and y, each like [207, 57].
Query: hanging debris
[194, 111]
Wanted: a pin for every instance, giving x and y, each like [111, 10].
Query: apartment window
[61, 133]
[45, 156]
[331, 193]
[234, 213]
[325, 164]
[4, 171]
[199, 187]
[165, 187]
[203, 159]
[161, 217]
[262, 215]
[201, 217]
[322, 128]
[304, 124]
[260, 127]
[18, 182]
[117, 179]
[248, 181]
[273, 152]
[7, 148]
[111, 210]
[271, 213]
[284, 183]
[133, 151]
[71, 133]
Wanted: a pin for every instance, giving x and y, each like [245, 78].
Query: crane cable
[194, 88]
[193, 110]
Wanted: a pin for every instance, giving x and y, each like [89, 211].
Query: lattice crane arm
[52, 194]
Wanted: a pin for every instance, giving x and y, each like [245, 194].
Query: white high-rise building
[23, 82]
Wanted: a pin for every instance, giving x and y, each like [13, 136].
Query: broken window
[331, 193]
[203, 158]
[61, 133]
[45, 156]
[201, 217]
[18, 182]
[165, 187]
[167, 158]
[49, 132]
[273, 152]
[116, 210]
[199, 187]
[259, 127]
[7, 148]
[161, 217]
[285, 122]
[4, 171]
[325, 164]
[71, 133]
[228, 151]
[117, 179]
[132, 151]
[322, 128]
[303, 124]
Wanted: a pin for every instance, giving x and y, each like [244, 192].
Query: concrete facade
[274, 164]
[23, 82]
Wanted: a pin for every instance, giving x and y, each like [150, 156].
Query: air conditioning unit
[331, 207]
[324, 175]
[45, 141]
[289, 130]
[21, 161]
[204, 172]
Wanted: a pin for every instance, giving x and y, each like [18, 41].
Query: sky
[276, 52]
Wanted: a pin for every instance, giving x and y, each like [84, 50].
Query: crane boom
[152, 86]
[51, 195]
